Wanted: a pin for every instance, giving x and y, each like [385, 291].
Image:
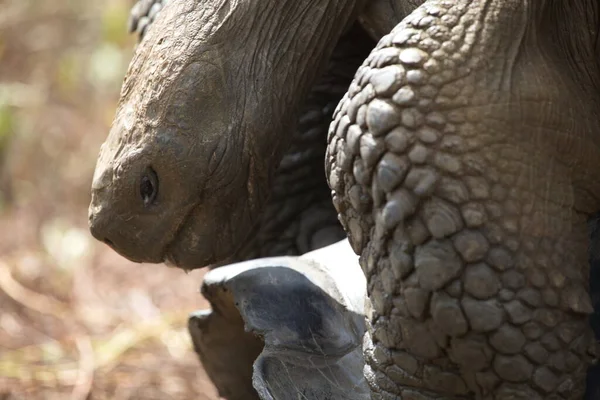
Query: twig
[29, 298]
[85, 376]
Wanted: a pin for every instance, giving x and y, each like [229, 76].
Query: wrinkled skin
[298, 216]
[182, 177]
[462, 162]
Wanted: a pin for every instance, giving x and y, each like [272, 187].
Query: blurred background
[77, 321]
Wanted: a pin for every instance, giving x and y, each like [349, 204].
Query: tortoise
[460, 160]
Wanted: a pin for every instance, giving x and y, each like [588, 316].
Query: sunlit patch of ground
[76, 320]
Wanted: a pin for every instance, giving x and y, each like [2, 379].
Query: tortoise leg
[462, 162]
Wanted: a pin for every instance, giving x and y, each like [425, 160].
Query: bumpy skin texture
[142, 14]
[461, 162]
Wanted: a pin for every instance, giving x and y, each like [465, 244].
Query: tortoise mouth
[168, 256]
[172, 255]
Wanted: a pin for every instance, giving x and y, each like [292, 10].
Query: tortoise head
[202, 121]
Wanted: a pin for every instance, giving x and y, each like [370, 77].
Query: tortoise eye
[149, 186]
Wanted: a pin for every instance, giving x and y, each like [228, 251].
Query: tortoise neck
[381, 16]
[282, 48]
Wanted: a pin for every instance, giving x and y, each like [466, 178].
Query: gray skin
[208, 216]
[470, 224]
[297, 216]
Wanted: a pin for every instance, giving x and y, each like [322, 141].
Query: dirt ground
[77, 320]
